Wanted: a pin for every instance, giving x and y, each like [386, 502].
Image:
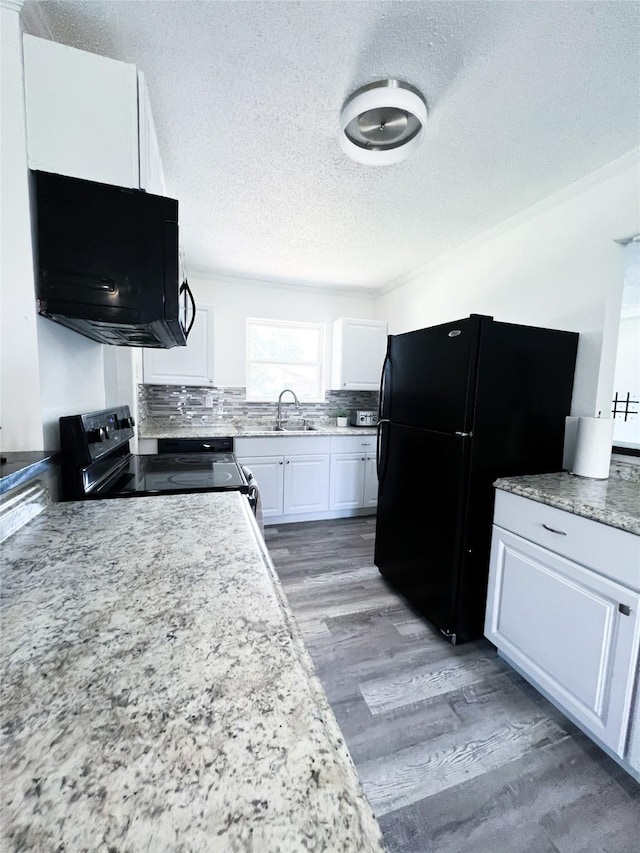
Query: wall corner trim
[604, 173]
[281, 283]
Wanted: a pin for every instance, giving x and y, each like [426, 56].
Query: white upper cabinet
[89, 117]
[359, 348]
[82, 113]
[151, 171]
[190, 365]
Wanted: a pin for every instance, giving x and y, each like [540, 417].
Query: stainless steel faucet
[279, 417]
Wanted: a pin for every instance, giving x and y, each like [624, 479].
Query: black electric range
[97, 461]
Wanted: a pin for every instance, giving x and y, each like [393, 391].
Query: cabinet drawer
[281, 445]
[611, 552]
[353, 443]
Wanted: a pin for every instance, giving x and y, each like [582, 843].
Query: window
[284, 355]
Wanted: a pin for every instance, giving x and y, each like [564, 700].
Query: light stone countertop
[615, 501]
[156, 692]
[147, 429]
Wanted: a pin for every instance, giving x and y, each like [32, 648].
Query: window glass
[284, 355]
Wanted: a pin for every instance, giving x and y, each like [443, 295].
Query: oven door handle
[105, 483]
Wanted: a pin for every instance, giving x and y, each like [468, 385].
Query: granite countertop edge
[21, 467]
[233, 431]
[246, 699]
[615, 503]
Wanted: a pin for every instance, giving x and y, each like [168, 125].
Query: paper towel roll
[593, 448]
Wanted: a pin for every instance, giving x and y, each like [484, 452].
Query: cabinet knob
[281, 462]
[288, 460]
[624, 609]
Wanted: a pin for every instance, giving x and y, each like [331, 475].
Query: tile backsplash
[213, 406]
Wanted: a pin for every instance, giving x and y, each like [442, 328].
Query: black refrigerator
[461, 404]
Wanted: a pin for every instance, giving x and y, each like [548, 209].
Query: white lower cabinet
[354, 481]
[370, 495]
[354, 475]
[307, 477]
[572, 629]
[306, 484]
[347, 480]
[292, 473]
[290, 484]
[269, 474]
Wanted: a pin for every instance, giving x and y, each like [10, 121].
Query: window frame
[319, 363]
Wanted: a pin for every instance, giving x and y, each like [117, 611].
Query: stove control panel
[86, 438]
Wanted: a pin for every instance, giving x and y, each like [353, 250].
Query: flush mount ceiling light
[382, 123]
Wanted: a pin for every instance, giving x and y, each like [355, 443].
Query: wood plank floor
[456, 752]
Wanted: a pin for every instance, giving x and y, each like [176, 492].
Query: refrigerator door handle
[383, 382]
[379, 447]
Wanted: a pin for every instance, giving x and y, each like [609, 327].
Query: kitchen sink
[302, 428]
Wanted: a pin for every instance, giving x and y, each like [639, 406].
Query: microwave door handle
[184, 288]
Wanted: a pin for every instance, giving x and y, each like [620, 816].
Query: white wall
[19, 369]
[555, 265]
[71, 376]
[236, 299]
[46, 371]
[627, 381]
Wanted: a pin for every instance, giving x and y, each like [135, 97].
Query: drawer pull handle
[624, 609]
[552, 530]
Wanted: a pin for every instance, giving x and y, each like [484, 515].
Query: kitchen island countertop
[615, 501]
[156, 692]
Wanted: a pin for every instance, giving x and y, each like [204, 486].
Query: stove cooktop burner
[191, 459]
[200, 479]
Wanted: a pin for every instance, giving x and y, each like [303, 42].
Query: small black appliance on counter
[108, 263]
[462, 404]
[97, 462]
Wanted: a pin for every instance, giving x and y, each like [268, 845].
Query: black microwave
[107, 263]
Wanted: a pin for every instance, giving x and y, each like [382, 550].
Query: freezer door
[429, 376]
[421, 507]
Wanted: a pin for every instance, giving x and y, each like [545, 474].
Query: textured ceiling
[524, 98]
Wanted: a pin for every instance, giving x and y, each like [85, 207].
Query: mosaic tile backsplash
[213, 406]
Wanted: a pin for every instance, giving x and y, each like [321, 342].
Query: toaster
[363, 417]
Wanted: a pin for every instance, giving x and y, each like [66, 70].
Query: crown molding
[604, 173]
[281, 283]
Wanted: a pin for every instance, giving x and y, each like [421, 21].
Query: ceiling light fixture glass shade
[382, 123]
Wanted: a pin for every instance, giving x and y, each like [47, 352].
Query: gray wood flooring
[456, 752]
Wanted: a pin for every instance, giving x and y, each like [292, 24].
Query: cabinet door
[190, 365]
[370, 481]
[306, 483]
[347, 480]
[269, 474]
[151, 171]
[82, 113]
[572, 631]
[358, 352]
